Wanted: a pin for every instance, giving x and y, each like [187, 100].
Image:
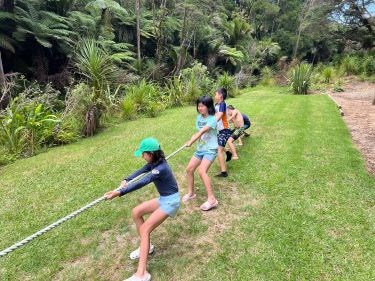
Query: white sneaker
[135, 254]
[134, 277]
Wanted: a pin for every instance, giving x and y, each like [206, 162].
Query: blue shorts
[206, 154]
[170, 204]
[223, 137]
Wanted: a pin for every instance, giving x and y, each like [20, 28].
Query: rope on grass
[72, 215]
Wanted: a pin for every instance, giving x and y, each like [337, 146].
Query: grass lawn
[298, 205]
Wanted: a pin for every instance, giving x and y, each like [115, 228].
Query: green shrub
[245, 78]
[228, 82]
[196, 81]
[25, 126]
[193, 92]
[5, 157]
[143, 98]
[351, 65]
[267, 77]
[368, 65]
[337, 87]
[68, 131]
[154, 109]
[327, 74]
[142, 94]
[78, 101]
[174, 90]
[12, 130]
[95, 65]
[128, 109]
[201, 75]
[300, 78]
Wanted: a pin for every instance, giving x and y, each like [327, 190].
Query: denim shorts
[206, 154]
[170, 204]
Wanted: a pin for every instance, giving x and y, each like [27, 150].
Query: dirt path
[359, 115]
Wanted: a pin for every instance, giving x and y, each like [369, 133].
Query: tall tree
[7, 5]
[306, 8]
[358, 18]
[138, 17]
[2, 75]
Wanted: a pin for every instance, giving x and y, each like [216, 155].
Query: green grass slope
[298, 205]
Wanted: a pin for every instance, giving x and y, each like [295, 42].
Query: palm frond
[6, 16]
[45, 43]
[7, 43]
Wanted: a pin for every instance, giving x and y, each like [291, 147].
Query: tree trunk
[273, 22]
[138, 16]
[159, 33]
[7, 5]
[2, 75]
[92, 121]
[305, 10]
[181, 56]
[40, 62]
[5, 95]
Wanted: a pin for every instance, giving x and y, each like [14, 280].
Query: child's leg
[220, 157]
[222, 139]
[155, 219]
[232, 148]
[143, 209]
[240, 141]
[192, 166]
[203, 168]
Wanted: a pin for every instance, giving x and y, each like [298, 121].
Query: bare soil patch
[359, 115]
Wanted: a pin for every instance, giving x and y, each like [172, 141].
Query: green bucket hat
[147, 144]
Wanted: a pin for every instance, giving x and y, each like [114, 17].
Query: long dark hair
[157, 156]
[208, 102]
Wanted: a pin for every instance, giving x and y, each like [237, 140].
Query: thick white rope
[72, 215]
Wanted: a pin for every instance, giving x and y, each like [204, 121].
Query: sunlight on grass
[298, 205]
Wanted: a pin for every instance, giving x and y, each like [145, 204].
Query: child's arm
[234, 114]
[219, 115]
[114, 193]
[222, 109]
[146, 168]
[150, 177]
[196, 136]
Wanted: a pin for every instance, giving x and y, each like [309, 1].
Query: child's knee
[202, 172]
[136, 213]
[190, 170]
[145, 229]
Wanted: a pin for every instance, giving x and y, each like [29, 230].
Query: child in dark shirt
[224, 131]
[157, 171]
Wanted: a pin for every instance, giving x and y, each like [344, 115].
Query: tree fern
[232, 54]
[45, 27]
[7, 43]
[97, 6]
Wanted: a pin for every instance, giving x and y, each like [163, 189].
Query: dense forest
[68, 66]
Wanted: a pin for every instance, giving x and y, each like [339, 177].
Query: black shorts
[223, 137]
